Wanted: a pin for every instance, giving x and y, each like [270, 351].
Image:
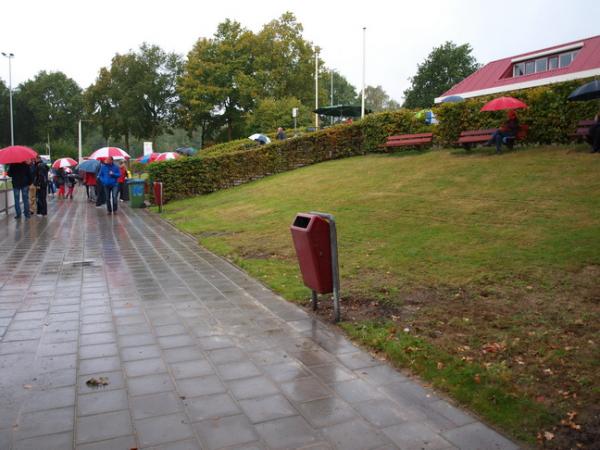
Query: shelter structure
[564, 62]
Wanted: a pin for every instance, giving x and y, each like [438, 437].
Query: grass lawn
[480, 272]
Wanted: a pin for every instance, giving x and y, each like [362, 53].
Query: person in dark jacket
[100, 197]
[40, 181]
[109, 174]
[509, 129]
[21, 179]
[61, 180]
[593, 136]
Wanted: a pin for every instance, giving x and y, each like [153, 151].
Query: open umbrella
[16, 154]
[589, 91]
[341, 111]
[89, 165]
[260, 138]
[167, 156]
[64, 162]
[453, 99]
[502, 103]
[188, 151]
[151, 157]
[105, 152]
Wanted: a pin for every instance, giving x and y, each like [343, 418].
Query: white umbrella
[105, 152]
[260, 138]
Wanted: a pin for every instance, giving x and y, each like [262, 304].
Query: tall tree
[444, 67]
[284, 61]
[376, 99]
[49, 107]
[344, 93]
[218, 80]
[137, 95]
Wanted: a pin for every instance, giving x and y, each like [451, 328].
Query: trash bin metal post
[334, 264]
[315, 300]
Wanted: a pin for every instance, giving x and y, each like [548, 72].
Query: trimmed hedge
[550, 117]
[229, 167]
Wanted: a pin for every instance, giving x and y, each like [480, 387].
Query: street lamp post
[316, 87]
[10, 56]
[362, 106]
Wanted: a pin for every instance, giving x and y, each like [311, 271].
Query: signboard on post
[147, 148]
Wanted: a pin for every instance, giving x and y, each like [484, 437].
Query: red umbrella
[16, 154]
[105, 152]
[502, 103]
[64, 162]
[167, 156]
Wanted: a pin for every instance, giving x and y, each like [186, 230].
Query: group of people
[30, 182]
[33, 181]
[107, 185]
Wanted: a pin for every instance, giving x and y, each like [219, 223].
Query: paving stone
[289, 432]
[411, 392]
[50, 399]
[61, 441]
[452, 413]
[262, 409]
[96, 365]
[416, 436]
[252, 387]
[181, 445]
[163, 429]
[97, 338]
[98, 351]
[144, 367]
[381, 375]
[153, 405]
[477, 436]
[215, 342]
[332, 373]
[169, 330]
[356, 391]
[150, 384]
[211, 407]
[358, 360]
[193, 387]
[354, 435]
[58, 348]
[103, 426]
[226, 355]
[190, 369]
[123, 442]
[226, 432]
[136, 340]
[235, 370]
[183, 354]
[384, 413]
[305, 389]
[102, 401]
[327, 411]
[140, 352]
[180, 340]
[40, 423]
[288, 371]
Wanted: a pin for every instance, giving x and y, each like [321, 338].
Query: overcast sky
[79, 37]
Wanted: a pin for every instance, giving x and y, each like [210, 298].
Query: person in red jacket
[90, 186]
[123, 193]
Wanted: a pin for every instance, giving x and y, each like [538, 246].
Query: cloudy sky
[79, 37]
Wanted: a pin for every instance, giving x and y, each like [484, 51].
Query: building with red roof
[565, 62]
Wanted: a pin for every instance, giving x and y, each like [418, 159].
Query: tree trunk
[229, 129]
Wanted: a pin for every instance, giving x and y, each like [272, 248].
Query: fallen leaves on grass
[569, 421]
[493, 347]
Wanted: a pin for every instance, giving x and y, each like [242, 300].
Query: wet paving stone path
[196, 354]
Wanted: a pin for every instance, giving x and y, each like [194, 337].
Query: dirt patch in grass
[543, 340]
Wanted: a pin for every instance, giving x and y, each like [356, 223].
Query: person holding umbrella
[21, 179]
[593, 136]
[509, 129]
[40, 181]
[109, 174]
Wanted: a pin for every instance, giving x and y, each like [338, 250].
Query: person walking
[21, 179]
[109, 175]
[51, 185]
[89, 179]
[281, 134]
[100, 197]
[40, 181]
[123, 193]
[60, 180]
[593, 136]
[32, 189]
[71, 181]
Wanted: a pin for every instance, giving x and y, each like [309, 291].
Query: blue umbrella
[453, 99]
[588, 91]
[89, 165]
[189, 151]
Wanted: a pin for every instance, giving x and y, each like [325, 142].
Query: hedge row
[550, 117]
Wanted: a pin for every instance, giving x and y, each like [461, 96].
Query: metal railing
[7, 201]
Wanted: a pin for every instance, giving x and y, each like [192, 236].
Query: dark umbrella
[341, 111]
[89, 165]
[589, 91]
[188, 151]
[453, 99]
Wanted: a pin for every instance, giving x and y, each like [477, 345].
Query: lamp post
[362, 106]
[316, 87]
[10, 56]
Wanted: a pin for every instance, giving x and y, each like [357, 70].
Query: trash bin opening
[301, 222]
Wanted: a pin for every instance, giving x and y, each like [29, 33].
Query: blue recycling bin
[136, 192]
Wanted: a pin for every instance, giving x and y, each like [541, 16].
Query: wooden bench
[408, 140]
[583, 129]
[468, 139]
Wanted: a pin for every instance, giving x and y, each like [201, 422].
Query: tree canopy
[445, 66]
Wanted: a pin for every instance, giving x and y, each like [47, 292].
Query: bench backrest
[522, 133]
[477, 132]
[402, 137]
[585, 123]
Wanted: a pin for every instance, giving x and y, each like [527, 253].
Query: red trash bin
[158, 194]
[311, 237]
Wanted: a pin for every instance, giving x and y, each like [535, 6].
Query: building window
[544, 64]
[541, 65]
